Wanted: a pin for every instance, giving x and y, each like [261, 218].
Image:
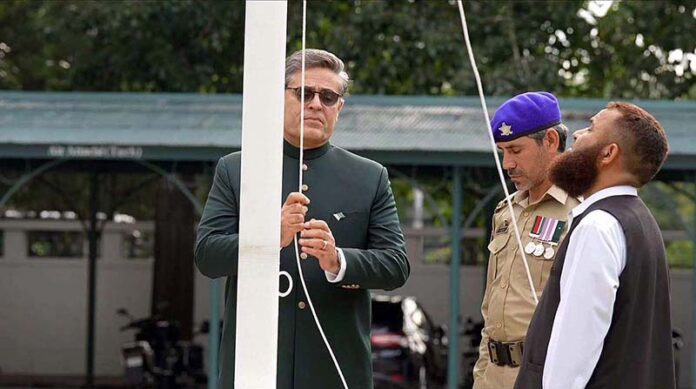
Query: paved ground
[8, 381]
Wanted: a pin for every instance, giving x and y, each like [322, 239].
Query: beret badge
[505, 129]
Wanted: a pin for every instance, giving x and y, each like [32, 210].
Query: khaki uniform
[508, 304]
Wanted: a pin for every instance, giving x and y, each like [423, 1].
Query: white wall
[43, 303]
[43, 308]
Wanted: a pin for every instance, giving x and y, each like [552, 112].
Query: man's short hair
[562, 131]
[315, 58]
[644, 138]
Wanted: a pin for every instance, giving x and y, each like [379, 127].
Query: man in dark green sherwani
[349, 234]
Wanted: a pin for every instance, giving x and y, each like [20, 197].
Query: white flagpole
[260, 197]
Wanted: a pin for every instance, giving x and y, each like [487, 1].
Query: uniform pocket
[537, 266]
[498, 243]
[546, 265]
[496, 246]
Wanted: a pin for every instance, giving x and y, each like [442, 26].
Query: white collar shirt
[595, 258]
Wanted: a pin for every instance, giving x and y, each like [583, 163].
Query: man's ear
[609, 154]
[552, 139]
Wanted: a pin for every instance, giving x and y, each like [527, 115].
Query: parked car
[408, 349]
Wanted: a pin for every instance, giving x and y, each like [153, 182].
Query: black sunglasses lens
[308, 95]
[328, 98]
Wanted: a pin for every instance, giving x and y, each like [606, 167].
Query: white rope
[472, 60]
[287, 292]
[297, 256]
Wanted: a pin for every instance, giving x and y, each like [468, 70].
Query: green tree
[164, 46]
[631, 49]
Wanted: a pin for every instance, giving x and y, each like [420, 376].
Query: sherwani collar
[309, 154]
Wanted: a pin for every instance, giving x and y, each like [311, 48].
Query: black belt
[505, 353]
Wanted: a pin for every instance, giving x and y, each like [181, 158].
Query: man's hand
[292, 217]
[317, 241]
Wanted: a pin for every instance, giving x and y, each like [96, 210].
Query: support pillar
[456, 235]
[693, 302]
[93, 238]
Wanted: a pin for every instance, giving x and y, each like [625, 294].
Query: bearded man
[604, 318]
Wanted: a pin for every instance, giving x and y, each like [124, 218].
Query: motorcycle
[158, 357]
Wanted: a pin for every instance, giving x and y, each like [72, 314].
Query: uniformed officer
[528, 131]
[350, 238]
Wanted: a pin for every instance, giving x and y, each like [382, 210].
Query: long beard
[576, 170]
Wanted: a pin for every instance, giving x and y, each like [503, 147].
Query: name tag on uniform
[502, 229]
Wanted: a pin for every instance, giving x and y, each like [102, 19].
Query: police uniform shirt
[508, 304]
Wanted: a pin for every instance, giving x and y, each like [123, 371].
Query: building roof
[392, 129]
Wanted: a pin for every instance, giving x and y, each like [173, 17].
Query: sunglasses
[327, 97]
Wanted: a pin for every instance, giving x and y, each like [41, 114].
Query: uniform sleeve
[383, 265]
[484, 358]
[595, 259]
[217, 240]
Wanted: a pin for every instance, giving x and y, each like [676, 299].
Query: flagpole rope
[297, 255]
[494, 149]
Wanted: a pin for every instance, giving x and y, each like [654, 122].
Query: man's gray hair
[562, 131]
[315, 58]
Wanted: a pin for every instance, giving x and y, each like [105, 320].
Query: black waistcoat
[637, 351]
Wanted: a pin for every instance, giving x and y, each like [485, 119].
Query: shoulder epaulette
[503, 203]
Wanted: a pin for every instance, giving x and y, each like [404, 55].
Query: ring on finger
[323, 247]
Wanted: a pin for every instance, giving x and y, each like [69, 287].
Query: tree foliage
[632, 49]
[174, 46]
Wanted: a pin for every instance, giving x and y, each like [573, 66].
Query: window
[138, 244]
[55, 244]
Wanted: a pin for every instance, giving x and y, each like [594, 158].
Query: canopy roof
[408, 130]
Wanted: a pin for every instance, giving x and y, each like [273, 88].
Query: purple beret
[525, 114]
